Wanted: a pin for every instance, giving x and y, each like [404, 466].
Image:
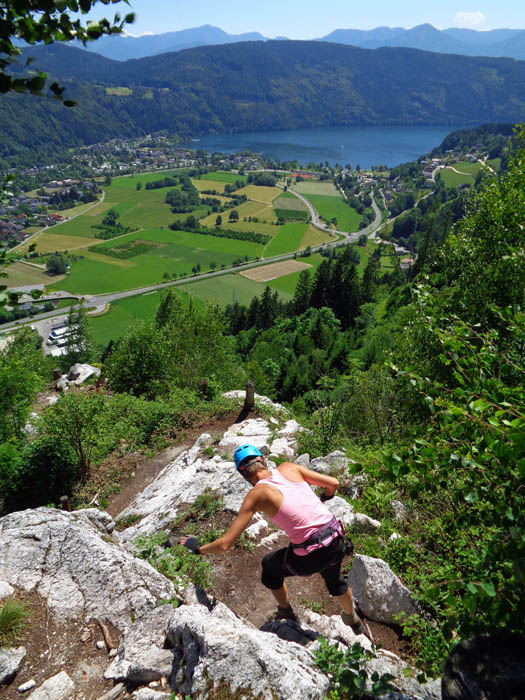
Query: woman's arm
[329, 483]
[241, 522]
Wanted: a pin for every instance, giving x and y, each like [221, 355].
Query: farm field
[328, 207]
[288, 239]
[170, 253]
[224, 290]
[200, 185]
[218, 176]
[308, 187]
[114, 323]
[288, 283]
[159, 253]
[289, 201]
[266, 273]
[19, 275]
[51, 242]
[263, 212]
[314, 236]
[467, 172]
[259, 193]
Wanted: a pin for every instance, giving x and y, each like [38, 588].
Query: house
[406, 263]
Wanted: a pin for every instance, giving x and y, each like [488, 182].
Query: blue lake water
[354, 145]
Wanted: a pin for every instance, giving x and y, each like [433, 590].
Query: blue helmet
[244, 451]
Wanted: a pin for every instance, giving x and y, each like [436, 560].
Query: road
[100, 300]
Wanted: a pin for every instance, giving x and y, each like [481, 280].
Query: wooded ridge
[259, 86]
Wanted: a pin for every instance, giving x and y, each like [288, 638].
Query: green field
[287, 240]
[227, 288]
[327, 207]
[467, 172]
[288, 283]
[223, 177]
[288, 201]
[177, 253]
[220, 290]
[308, 187]
[122, 313]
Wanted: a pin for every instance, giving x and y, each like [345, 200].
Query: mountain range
[254, 86]
[508, 43]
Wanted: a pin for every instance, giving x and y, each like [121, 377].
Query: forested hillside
[259, 85]
[420, 381]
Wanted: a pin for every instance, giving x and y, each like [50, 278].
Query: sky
[310, 19]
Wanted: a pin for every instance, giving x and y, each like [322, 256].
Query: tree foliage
[47, 21]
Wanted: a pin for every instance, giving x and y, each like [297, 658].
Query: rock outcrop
[72, 561]
[380, 593]
[86, 571]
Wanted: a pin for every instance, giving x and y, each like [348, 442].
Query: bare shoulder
[291, 471]
[308, 475]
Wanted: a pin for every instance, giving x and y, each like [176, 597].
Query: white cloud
[136, 36]
[469, 20]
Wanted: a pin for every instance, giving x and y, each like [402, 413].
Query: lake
[355, 145]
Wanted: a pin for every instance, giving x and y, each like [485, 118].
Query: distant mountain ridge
[504, 43]
[122, 48]
[498, 43]
[255, 86]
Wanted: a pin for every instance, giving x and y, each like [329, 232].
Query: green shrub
[13, 615]
[37, 473]
[348, 674]
[173, 562]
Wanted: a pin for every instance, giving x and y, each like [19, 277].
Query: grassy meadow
[171, 253]
[328, 202]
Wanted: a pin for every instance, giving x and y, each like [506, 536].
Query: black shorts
[325, 561]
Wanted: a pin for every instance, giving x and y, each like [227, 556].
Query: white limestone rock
[254, 431]
[258, 526]
[58, 687]
[343, 511]
[382, 596]
[10, 661]
[290, 429]
[239, 394]
[182, 481]
[282, 448]
[26, 686]
[334, 628]
[303, 460]
[404, 677]
[79, 570]
[218, 648]
[99, 518]
[6, 591]
[149, 694]
[270, 541]
[80, 373]
[141, 656]
[334, 463]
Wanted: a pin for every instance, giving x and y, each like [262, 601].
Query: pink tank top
[301, 513]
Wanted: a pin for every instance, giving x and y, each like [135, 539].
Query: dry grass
[314, 187]
[272, 272]
[20, 275]
[315, 236]
[260, 194]
[208, 185]
[49, 242]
